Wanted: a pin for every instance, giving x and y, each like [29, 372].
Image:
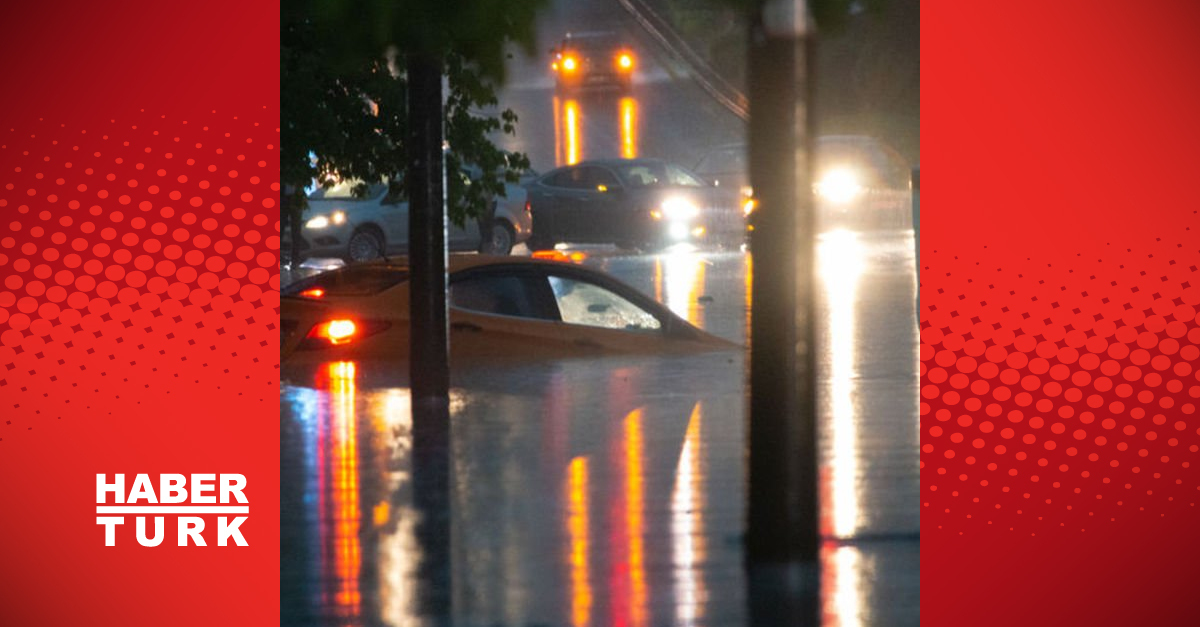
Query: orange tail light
[341, 331]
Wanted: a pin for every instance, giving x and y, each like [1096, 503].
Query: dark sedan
[634, 203]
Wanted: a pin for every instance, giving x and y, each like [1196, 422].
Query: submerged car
[339, 224]
[634, 203]
[590, 60]
[501, 308]
[859, 181]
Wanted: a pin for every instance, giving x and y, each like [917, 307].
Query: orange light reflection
[556, 103]
[577, 532]
[574, 139]
[343, 512]
[634, 517]
[628, 112]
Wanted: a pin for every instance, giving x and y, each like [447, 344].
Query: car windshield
[362, 280]
[591, 42]
[655, 174]
[590, 305]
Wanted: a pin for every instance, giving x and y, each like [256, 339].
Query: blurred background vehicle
[860, 182]
[634, 203]
[597, 59]
[339, 224]
[506, 308]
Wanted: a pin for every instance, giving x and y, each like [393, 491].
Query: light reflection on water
[576, 118]
[687, 528]
[840, 266]
[611, 491]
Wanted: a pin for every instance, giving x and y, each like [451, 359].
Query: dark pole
[782, 535]
[428, 340]
[783, 512]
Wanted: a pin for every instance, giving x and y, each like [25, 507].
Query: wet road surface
[612, 491]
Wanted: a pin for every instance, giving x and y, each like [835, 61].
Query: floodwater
[612, 491]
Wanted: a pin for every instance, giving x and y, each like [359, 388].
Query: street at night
[612, 490]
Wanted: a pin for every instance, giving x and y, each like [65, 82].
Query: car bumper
[715, 226]
[327, 242]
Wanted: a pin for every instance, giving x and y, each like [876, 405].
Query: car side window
[681, 178]
[640, 176]
[570, 178]
[599, 178]
[511, 295]
[587, 304]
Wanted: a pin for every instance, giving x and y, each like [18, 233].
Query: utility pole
[429, 333]
[782, 534]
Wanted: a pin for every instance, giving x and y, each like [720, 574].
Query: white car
[337, 224]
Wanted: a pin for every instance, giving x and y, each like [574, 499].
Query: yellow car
[501, 308]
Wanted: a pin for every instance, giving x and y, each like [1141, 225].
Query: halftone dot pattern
[1060, 397]
[127, 274]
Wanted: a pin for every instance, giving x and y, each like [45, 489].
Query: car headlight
[839, 186]
[679, 209]
[322, 221]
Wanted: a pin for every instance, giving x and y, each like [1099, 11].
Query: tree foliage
[344, 92]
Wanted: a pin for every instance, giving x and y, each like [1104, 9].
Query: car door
[393, 215]
[599, 214]
[504, 313]
[467, 236]
[566, 193]
[548, 201]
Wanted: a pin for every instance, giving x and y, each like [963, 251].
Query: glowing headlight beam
[839, 186]
[679, 209]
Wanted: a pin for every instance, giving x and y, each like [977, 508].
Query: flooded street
[612, 491]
